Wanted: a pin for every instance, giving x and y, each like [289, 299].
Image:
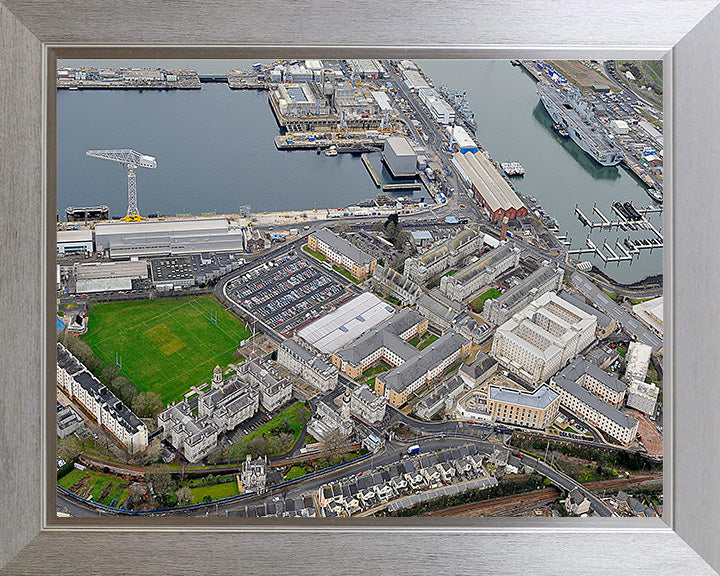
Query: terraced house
[106, 409]
[342, 253]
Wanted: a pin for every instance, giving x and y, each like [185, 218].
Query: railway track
[508, 505]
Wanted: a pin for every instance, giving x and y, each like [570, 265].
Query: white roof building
[342, 326]
[651, 313]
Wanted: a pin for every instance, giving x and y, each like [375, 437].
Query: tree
[109, 373]
[162, 483]
[184, 495]
[335, 443]
[124, 389]
[147, 404]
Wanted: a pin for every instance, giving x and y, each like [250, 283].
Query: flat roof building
[399, 156]
[637, 362]
[340, 327]
[74, 241]
[651, 313]
[168, 237]
[169, 273]
[109, 276]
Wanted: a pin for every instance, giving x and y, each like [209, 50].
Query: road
[628, 322]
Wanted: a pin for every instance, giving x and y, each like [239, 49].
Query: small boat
[332, 151]
[655, 194]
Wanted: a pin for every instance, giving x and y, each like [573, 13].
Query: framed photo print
[312, 285]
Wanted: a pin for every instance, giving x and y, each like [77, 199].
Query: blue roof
[60, 325]
[451, 220]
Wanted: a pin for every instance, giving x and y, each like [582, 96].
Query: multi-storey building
[391, 283]
[387, 341]
[591, 408]
[254, 474]
[274, 391]
[464, 283]
[643, 397]
[397, 384]
[545, 279]
[106, 409]
[536, 409]
[439, 309]
[366, 405]
[307, 365]
[342, 253]
[637, 362]
[441, 397]
[221, 408]
[595, 380]
[424, 267]
[542, 338]
[194, 437]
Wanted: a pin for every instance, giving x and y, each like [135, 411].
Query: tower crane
[132, 160]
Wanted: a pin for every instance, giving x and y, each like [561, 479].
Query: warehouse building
[168, 237]
[489, 186]
[398, 384]
[399, 156]
[109, 276]
[106, 409]
[542, 338]
[342, 253]
[600, 414]
[536, 409]
[341, 326]
[499, 310]
[489, 266]
[75, 242]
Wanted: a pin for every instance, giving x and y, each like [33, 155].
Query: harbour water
[215, 152]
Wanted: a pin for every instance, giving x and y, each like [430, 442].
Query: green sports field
[166, 345]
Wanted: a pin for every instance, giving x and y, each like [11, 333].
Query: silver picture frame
[34, 34]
